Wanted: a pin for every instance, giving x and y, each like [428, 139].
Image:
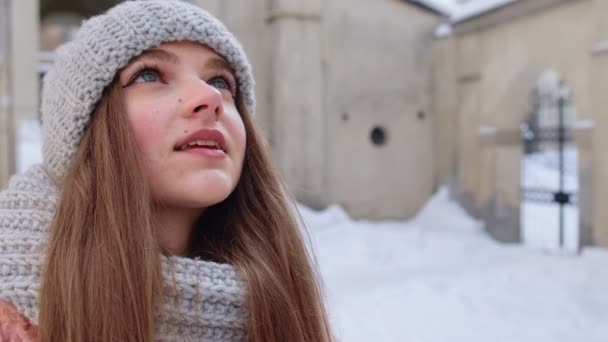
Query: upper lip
[204, 134]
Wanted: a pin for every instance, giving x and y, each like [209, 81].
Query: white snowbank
[29, 145]
[439, 277]
[462, 10]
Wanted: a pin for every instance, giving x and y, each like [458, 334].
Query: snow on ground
[29, 147]
[439, 277]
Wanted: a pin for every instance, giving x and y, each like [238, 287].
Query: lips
[203, 139]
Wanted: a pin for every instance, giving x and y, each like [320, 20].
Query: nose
[202, 100]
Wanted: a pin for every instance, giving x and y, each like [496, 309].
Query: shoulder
[14, 326]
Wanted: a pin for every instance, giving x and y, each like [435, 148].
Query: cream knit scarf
[209, 302]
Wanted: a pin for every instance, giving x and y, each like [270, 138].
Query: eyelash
[229, 81]
[149, 67]
[141, 69]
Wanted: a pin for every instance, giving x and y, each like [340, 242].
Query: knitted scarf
[207, 304]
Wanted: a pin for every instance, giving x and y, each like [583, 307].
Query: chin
[209, 201]
[200, 191]
[210, 194]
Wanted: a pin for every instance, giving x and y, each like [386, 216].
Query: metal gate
[554, 135]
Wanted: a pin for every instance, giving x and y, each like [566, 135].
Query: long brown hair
[102, 276]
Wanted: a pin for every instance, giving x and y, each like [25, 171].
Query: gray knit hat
[106, 43]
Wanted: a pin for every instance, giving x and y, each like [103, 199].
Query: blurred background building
[374, 105]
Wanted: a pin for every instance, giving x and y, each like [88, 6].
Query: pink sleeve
[14, 326]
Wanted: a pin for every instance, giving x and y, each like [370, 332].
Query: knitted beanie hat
[106, 43]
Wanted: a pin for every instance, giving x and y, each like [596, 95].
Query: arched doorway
[549, 173]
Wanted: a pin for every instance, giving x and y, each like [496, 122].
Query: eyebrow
[219, 64]
[161, 55]
[157, 54]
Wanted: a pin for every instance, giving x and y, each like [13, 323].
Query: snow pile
[29, 146]
[473, 8]
[443, 30]
[457, 11]
[439, 277]
[461, 10]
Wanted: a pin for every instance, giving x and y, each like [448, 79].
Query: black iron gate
[535, 135]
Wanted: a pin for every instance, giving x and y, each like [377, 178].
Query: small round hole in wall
[378, 136]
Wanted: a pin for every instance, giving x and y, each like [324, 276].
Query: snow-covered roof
[459, 10]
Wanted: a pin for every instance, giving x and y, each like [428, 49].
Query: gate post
[502, 212]
[582, 134]
[599, 86]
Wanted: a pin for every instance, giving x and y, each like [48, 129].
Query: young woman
[156, 214]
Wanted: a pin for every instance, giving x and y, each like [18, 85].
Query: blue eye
[147, 75]
[222, 83]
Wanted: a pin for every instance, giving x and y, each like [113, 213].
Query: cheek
[242, 136]
[147, 125]
[144, 131]
[239, 133]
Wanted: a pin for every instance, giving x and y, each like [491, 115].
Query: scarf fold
[206, 302]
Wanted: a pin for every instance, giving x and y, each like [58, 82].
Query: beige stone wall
[248, 21]
[378, 73]
[328, 72]
[297, 98]
[283, 41]
[496, 67]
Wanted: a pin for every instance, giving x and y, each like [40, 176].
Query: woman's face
[180, 102]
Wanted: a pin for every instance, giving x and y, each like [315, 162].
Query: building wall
[496, 67]
[328, 72]
[378, 74]
[248, 21]
[283, 41]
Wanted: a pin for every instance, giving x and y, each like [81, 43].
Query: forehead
[188, 47]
